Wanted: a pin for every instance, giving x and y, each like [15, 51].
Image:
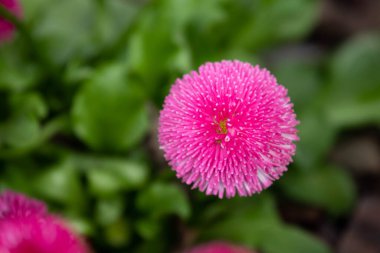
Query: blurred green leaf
[287, 239]
[256, 224]
[329, 188]
[302, 80]
[118, 234]
[161, 199]
[109, 112]
[354, 69]
[81, 225]
[242, 221]
[355, 78]
[103, 183]
[19, 132]
[17, 72]
[148, 228]
[61, 184]
[22, 129]
[84, 26]
[17, 176]
[108, 211]
[132, 175]
[33, 9]
[348, 114]
[69, 21]
[109, 176]
[275, 21]
[157, 45]
[317, 135]
[31, 104]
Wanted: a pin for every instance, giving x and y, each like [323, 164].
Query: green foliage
[329, 188]
[292, 240]
[80, 87]
[355, 90]
[60, 183]
[108, 176]
[162, 199]
[89, 27]
[275, 21]
[257, 225]
[107, 91]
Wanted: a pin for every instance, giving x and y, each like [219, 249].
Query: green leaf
[153, 53]
[84, 26]
[328, 188]
[161, 199]
[118, 234]
[81, 225]
[69, 21]
[34, 9]
[20, 132]
[257, 225]
[347, 114]
[276, 21]
[30, 104]
[302, 80]
[109, 112]
[312, 149]
[148, 228]
[287, 239]
[109, 176]
[354, 95]
[241, 221]
[103, 183]
[354, 69]
[17, 72]
[61, 184]
[108, 211]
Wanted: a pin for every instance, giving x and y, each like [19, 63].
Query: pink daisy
[218, 247]
[6, 27]
[26, 227]
[228, 128]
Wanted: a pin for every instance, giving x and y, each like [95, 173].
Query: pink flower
[26, 227]
[218, 247]
[6, 27]
[13, 205]
[228, 128]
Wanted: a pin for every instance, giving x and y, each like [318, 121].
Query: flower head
[6, 27]
[218, 247]
[26, 227]
[228, 128]
[14, 205]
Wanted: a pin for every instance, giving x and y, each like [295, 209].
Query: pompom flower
[228, 128]
[26, 227]
[6, 27]
[218, 247]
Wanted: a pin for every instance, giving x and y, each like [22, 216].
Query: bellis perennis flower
[228, 128]
[218, 247]
[6, 27]
[26, 227]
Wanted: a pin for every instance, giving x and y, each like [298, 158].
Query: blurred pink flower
[6, 27]
[228, 128]
[26, 227]
[218, 247]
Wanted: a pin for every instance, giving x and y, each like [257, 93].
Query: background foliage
[81, 85]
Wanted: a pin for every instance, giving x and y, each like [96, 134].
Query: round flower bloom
[6, 27]
[218, 247]
[26, 227]
[228, 128]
